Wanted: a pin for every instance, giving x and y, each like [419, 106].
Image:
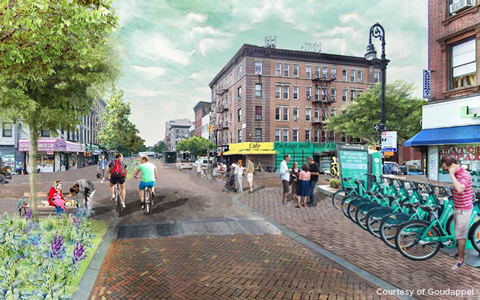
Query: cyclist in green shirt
[149, 174]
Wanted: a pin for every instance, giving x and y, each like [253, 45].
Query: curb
[322, 252]
[87, 282]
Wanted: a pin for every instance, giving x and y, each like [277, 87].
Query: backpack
[117, 169]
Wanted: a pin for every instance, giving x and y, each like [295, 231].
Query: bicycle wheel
[362, 212]
[333, 172]
[118, 203]
[352, 208]
[146, 198]
[389, 225]
[346, 201]
[408, 240]
[337, 198]
[374, 219]
[474, 235]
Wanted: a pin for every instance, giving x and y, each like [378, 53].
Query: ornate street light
[377, 31]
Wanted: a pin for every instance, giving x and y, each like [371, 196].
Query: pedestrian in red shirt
[462, 202]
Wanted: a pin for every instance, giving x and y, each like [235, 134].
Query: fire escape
[222, 122]
[321, 108]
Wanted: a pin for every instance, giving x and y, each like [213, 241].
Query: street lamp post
[377, 31]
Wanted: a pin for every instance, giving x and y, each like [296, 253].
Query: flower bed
[45, 260]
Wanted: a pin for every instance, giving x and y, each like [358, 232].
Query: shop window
[463, 64]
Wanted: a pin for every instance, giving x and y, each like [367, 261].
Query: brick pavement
[329, 229]
[222, 267]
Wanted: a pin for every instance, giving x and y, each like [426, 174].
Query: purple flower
[78, 253]
[28, 214]
[57, 249]
[77, 222]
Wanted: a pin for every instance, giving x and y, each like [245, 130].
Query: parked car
[202, 160]
[391, 168]
[5, 172]
[184, 165]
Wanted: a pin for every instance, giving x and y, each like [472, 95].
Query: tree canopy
[195, 145]
[403, 113]
[161, 147]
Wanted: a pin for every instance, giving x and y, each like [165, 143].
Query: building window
[463, 64]
[258, 134]
[296, 71]
[239, 93]
[360, 76]
[324, 114]
[352, 95]
[231, 82]
[277, 135]
[239, 115]
[317, 72]
[278, 91]
[308, 114]
[258, 67]
[295, 135]
[285, 135]
[317, 115]
[307, 135]
[324, 94]
[344, 75]
[285, 113]
[295, 114]
[258, 113]
[226, 83]
[239, 72]
[333, 111]
[333, 95]
[295, 92]
[334, 73]
[46, 133]
[231, 119]
[258, 90]
[286, 91]
[316, 137]
[278, 69]
[277, 113]
[286, 70]
[240, 136]
[352, 75]
[7, 129]
[308, 72]
[308, 93]
[344, 95]
[376, 76]
[324, 73]
[344, 138]
[317, 94]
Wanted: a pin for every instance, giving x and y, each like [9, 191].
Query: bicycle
[147, 199]
[118, 199]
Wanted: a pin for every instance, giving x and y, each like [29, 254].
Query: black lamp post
[377, 31]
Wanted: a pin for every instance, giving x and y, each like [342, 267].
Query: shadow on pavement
[161, 207]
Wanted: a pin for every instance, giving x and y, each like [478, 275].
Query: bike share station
[356, 161]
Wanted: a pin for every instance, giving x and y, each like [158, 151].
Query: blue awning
[446, 136]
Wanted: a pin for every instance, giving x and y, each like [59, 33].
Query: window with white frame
[317, 72]
[285, 113]
[352, 95]
[226, 83]
[317, 115]
[295, 114]
[277, 113]
[325, 73]
[258, 67]
[278, 91]
[295, 92]
[258, 113]
[333, 111]
[239, 93]
[344, 95]
[278, 69]
[324, 94]
[307, 135]
[258, 90]
[230, 77]
[285, 135]
[308, 114]
[239, 72]
[360, 76]
[7, 129]
[240, 136]
[352, 75]
[333, 94]
[317, 94]
[286, 70]
[463, 64]
[239, 114]
[258, 134]
[344, 74]
[286, 91]
[308, 93]
[296, 71]
[295, 135]
[324, 114]
[277, 135]
[376, 76]
[334, 73]
[316, 137]
[308, 72]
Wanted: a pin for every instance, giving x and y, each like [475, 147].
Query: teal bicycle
[347, 191]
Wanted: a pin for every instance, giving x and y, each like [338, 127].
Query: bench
[23, 204]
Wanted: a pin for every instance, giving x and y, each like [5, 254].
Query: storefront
[451, 127]
[54, 154]
[322, 153]
[259, 152]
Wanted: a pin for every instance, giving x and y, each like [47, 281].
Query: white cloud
[144, 93]
[196, 75]
[196, 17]
[153, 71]
[204, 45]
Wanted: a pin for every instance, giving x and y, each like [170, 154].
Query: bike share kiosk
[356, 162]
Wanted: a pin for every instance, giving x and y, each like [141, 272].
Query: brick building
[264, 94]
[201, 110]
[451, 119]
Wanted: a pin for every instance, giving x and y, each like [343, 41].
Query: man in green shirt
[149, 173]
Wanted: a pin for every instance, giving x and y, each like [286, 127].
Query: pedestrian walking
[250, 169]
[304, 177]
[87, 189]
[314, 172]
[238, 172]
[102, 166]
[462, 202]
[294, 181]
[285, 178]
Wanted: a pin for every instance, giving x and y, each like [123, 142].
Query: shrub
[335, 183]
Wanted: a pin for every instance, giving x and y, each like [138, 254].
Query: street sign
[427, 82]
[376, 127]
[389, 141]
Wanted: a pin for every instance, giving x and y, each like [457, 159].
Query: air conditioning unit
[309, 97]
[258, 117]
[460, 5]
[295, 118]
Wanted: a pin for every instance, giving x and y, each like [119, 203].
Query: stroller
[230, 185]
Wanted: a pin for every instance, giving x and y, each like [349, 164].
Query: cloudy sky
[175, 47]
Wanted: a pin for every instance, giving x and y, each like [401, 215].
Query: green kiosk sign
[353, 163]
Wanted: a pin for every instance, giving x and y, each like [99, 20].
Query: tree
[134, 142]
[55, 62]
[161, 147]
[195, 145]
[403, 113]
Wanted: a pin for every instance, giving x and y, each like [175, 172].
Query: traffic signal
[212, 128]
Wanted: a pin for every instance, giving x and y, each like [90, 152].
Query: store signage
[470, 112]
[316, 147]
[427, 84]
[254, 146]
[389, 141]
[463, 153]
[50, 152]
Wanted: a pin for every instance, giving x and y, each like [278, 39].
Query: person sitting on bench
[55, 197]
